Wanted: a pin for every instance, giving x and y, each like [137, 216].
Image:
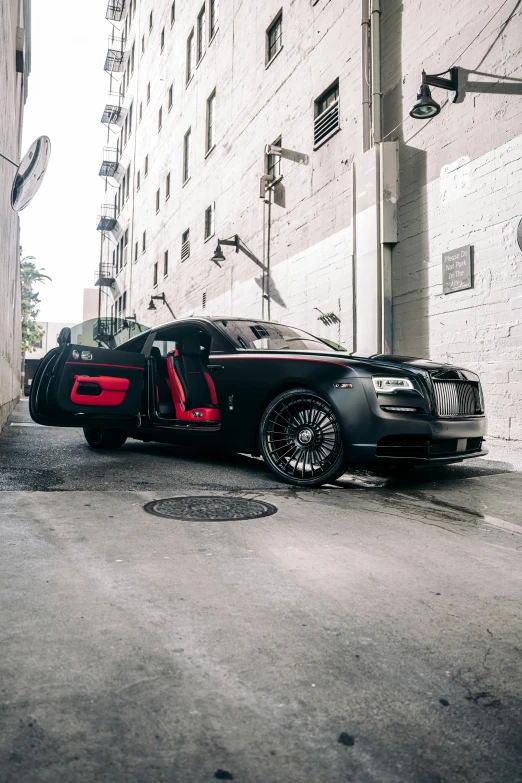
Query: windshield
[267, 336]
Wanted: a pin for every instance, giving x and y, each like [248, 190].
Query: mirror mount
[64, 338]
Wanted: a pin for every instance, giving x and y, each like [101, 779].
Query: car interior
[184, 388]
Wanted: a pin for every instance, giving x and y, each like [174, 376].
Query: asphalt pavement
[369, 631]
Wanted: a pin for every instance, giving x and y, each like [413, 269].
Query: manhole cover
[219, 509]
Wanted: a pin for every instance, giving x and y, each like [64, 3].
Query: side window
[164, 346]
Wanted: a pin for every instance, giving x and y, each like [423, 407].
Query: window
[211, 110]
[273, 162]
[171, 96]
[125, 130]
[167, 187]
[274, 38]
[160, 119]
[127, 192]
[165, 263]
[146, 165]
[201, 32]
[185, 245]
[138, 180]
[186, 156]
[204, 300]
[209, 221]
[326, 115]
[142, 44]
[143, 241]
[130, 119]
[172, 13]
[190, 56]
[162, 40]
[213, 18]
[136, 252]
[155, 274]
[158, 194]
[150, 21]
[148, 92]
[141, 110]
[132, 58]
[124, 301]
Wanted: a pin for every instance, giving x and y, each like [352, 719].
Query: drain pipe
[375, 33]
[365, 80]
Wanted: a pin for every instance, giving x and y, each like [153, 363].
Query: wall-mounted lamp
[236, 242]
[425, 107]
[161, 298]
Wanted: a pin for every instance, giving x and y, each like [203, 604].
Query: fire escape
[115, 10]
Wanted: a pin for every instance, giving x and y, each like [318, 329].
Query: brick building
[15, 67]
[347, 240]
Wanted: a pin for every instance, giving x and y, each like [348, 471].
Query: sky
[67, 94]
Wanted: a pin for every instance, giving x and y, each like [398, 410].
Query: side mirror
[64, 338]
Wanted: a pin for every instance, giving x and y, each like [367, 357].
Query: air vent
[204, 300]
[185, 250]
[326, 124]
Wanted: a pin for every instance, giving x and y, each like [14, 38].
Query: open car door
[80, 386]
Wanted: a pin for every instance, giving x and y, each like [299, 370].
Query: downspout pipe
[365, 75]
[375, 31]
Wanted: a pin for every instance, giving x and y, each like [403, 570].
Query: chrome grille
[457, 398]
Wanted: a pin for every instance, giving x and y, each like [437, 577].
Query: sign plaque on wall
[457, 272]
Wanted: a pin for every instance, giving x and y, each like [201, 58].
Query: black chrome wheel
[301, 438]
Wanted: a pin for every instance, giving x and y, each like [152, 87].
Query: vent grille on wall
[326, 124]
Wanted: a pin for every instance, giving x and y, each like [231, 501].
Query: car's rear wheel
[104, 438]
[301, 440]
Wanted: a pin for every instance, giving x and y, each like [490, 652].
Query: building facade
[15, 36]
[342, 226]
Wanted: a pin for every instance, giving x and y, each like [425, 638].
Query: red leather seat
[192, 388]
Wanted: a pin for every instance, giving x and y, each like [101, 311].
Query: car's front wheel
[103, 438]
[301, 440]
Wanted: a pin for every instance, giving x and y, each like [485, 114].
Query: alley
[368, 631]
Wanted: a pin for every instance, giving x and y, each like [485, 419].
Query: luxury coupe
[262, 388]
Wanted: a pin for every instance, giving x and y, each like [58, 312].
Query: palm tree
[31, 332]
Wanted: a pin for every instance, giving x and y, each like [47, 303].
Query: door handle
[215, 367]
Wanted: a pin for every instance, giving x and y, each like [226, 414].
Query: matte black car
[260, 387]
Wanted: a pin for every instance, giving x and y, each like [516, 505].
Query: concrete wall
[11, 110]
[90, 303]
[460, 184]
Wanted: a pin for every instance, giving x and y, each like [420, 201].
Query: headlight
[389, 385]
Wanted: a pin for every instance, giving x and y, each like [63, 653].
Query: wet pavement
[368, 631]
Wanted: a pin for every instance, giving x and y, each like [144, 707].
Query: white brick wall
[11, 103]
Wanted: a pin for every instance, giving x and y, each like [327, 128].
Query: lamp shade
[424, 107]
[218, 255]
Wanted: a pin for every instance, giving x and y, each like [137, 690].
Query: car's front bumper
[375, 435]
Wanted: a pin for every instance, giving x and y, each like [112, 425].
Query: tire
[300, 439]
[102, 438]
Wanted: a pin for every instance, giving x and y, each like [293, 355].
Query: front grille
[457, 398]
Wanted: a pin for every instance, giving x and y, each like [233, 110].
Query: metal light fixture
[218, 255]
[425, 107]
[161, 298]
[236, 242]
